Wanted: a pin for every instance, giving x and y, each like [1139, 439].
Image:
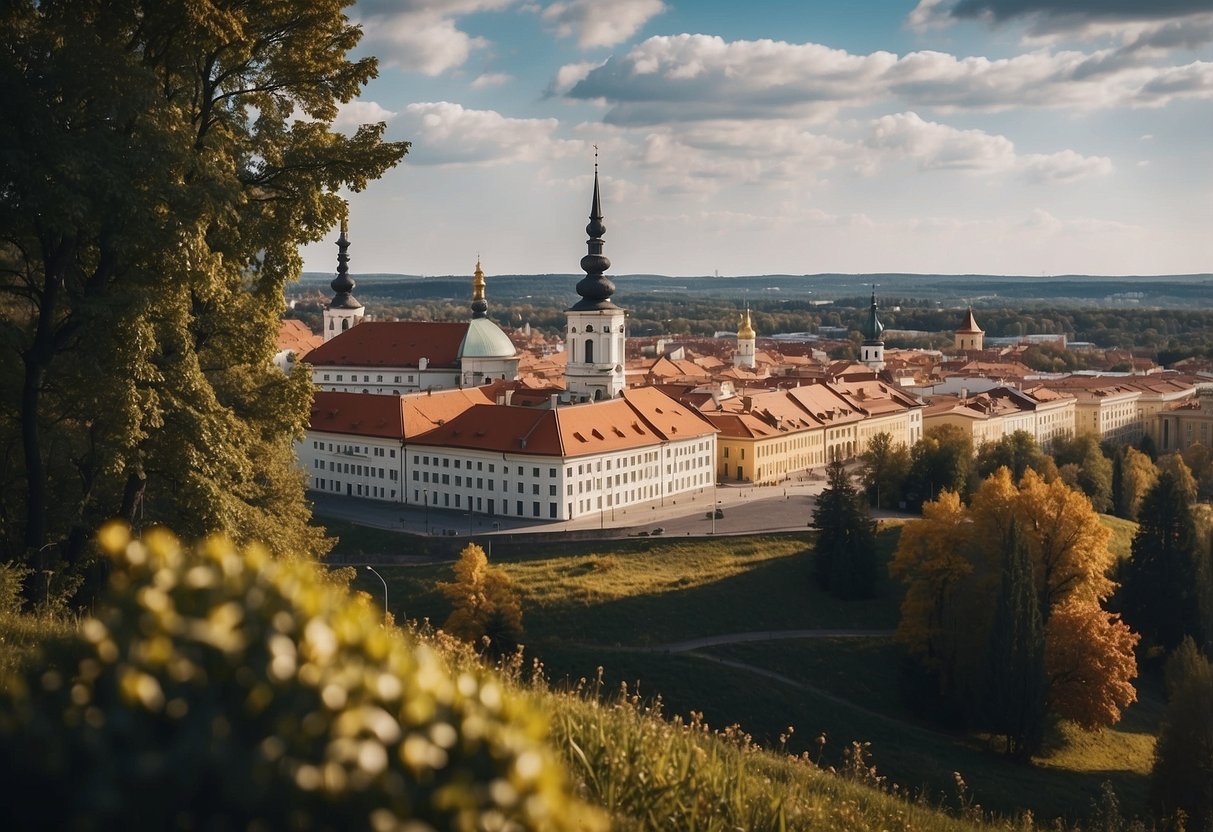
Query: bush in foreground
[223, 689]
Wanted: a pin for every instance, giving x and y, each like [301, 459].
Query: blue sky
[942, 136]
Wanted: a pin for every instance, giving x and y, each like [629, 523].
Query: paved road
[747, 510]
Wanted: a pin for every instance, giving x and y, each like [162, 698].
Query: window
[535, 489]
[534, 472]
[535, 509]
[552, 510]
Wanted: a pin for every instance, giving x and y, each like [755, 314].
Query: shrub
[223, 689]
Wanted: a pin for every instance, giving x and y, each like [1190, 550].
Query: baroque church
[421, 413]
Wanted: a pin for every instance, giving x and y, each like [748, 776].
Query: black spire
[343, 284]
[595, 288]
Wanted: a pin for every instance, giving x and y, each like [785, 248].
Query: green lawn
[608, 604]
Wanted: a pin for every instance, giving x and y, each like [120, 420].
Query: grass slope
[610, 604]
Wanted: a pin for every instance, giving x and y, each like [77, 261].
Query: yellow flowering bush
[217, 688]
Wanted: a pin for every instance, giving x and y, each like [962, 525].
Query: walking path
[767, 635]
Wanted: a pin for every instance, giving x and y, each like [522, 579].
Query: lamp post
[380, 577]
[425, 494]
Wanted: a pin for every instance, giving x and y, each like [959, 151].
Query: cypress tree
[1015, 700]
[845, 562]
[1160, 586]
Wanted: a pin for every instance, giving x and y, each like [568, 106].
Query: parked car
[719, 514]
[659, 530]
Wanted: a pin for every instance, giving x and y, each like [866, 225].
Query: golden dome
[747, 330]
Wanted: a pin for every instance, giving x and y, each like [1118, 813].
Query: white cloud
[702, 77]
[491, 79]
[596, 23]
[421, 35]
[934, 146]
[352, 114]
[570, 75]
[444, 133]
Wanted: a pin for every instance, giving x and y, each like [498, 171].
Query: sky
[1028, 137]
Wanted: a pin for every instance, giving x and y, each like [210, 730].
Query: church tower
[344, 311]
[594, 326]
[969, 336]
[872, 350]
[486, 353]
[743, 358]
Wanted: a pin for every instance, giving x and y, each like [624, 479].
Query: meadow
[606, 611]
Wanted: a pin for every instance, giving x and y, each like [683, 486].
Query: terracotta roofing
[741, 426]
[393, 344]
[358, 414]
[294, 335]
[424, 411]
[640, 418]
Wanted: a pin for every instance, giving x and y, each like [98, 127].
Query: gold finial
[478, 281]
[746, 332]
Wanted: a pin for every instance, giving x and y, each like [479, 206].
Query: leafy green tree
[164, 162]
[1081, 462]
[1159, 593]
[1017, 452]
[941, 461]
[845, 551]
[886, 464]
[1182, 776]
[1016, 684]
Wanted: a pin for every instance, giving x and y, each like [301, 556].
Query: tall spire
[595, 288]
[343, 284]
[873, 328]
[480, 306]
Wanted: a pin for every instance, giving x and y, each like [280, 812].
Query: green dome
[485, 339]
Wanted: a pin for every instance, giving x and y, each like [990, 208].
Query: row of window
[354, 469]
[353, 489]
[487, 505]
[353, 450]
[366, 378]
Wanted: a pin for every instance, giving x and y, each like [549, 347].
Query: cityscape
[583, 415]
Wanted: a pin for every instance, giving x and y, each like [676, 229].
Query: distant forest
[1167, 318]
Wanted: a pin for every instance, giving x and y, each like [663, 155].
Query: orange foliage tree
[485, 603]
[949, 562]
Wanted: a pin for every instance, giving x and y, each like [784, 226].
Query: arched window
[345, 324]
[589, 351]
[589, 327]
[331, 323]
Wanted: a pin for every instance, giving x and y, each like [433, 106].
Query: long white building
[371, 435]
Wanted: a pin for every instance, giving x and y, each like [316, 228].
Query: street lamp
[380, 577]
[425, 493]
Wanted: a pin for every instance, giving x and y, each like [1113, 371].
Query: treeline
[1016, 613]
[1167, 335]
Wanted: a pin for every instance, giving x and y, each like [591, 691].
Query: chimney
[746, 403]
[555, 400]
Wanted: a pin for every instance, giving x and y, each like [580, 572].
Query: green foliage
[1137, 475]
[224, 689]
[941, 461]
[845, 552]
[1015, 694]
[1159, 593]
[1182, 778]
[1082, 464]
[885, 467]
[165, 161]
[1017, 452]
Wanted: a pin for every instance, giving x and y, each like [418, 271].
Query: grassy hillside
[614, 605]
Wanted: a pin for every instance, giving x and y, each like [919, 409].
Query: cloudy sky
[780, 136]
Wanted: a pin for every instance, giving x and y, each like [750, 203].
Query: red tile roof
[393, 344]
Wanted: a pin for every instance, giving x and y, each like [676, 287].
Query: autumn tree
[485, 603]
[951, 560]
[886, 464]
[164, 162]
[1160, 593]
[845, 549]
[1138, 474]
